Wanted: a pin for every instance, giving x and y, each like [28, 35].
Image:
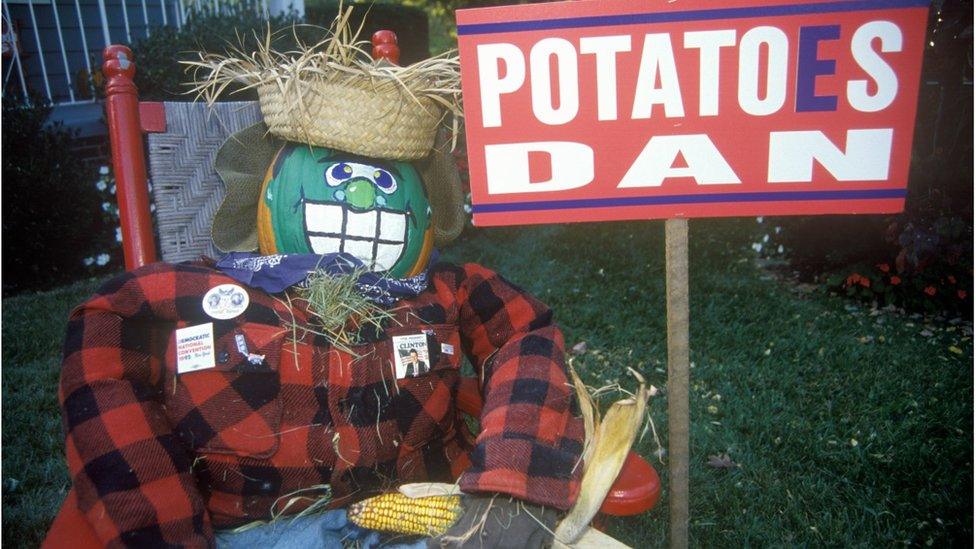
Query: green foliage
[35, 477]
[51, 210]
[160, 76]
[408, 22]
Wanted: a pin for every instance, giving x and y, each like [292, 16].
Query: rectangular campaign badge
[411, 356]
[195, 348]
[614, 109]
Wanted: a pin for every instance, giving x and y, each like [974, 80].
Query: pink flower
[930, 290]
[884, 267]
[895, 280]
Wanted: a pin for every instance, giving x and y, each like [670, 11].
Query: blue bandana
[276, 273]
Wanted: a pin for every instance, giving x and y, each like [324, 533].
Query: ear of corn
[397, 513]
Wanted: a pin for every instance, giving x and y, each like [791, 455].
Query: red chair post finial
[385, 46]
[128, 161]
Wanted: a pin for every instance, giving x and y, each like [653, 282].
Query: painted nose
[361, 193]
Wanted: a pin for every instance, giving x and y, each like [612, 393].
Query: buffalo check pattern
[161, 458]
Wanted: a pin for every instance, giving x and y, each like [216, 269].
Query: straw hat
[334, 94]
[243, 161]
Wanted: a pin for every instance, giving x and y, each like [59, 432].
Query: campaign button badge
[195, 348]
[225, 301]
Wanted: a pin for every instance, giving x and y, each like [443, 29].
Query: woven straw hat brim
[354, 116]
[244, 159]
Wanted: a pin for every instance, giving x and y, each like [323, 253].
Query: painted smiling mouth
[375, 237]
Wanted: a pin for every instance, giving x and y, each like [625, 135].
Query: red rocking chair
[183, 139]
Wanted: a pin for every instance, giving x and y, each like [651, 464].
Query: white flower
[778, 229]
[759, 219]
[467, 208]
[102, 259]
[757, 246]
[103, 170]
[106, 206]
[118, 234]
[101, 185]
[780, 249]
[765, 238]
[112, 189]
[88, 261]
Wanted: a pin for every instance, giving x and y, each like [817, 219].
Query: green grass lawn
[850, 427]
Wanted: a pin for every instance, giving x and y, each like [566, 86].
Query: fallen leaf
[721, 461]
[713, 409]
[865, 339]
[954, 349]
[579, 348]
[926, 333]
[10, 485]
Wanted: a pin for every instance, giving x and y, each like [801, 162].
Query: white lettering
[571, 166]
[606, 49]
[567, 78]
[657, 57]
[493, 85]
[709, 43]
[874, 65]
[866, 158]
[654, 164]
[778, 46]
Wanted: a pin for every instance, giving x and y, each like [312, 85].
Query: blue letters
[809, 67]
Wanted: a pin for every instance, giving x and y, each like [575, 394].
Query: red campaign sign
[616, 109]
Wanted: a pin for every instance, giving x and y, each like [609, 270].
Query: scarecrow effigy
[316, 364]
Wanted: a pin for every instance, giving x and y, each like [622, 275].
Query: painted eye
[335, 175]
[384, 181]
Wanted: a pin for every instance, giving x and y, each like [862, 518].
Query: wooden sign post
[612, 109]
[676, 268]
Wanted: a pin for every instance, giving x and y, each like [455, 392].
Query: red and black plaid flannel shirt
[158, 456]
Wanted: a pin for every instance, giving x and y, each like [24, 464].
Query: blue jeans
[328, 530]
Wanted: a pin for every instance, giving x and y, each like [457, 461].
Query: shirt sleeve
[131, 474]
[531, 435]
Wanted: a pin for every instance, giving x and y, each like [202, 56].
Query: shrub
[51, 210]
[409, 24]
[160, 76]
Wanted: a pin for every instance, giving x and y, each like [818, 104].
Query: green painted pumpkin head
[319, 200]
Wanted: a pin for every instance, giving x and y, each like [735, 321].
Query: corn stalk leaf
[614, 437]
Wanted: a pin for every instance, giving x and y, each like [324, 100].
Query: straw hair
[333, 94]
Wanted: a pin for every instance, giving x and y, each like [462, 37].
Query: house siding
[71, 29]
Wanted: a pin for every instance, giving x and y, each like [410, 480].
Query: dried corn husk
[611, 443]
[428, 489]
